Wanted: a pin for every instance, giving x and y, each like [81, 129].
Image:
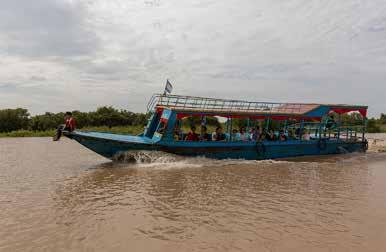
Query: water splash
[163, 160]
[146, 157]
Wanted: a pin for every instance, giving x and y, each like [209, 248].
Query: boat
[315, 132]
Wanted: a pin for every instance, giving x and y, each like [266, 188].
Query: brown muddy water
[58, 196]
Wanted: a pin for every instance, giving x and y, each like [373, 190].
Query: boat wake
[163, 160]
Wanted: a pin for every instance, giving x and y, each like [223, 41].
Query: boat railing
[343, 131]
[224, 105]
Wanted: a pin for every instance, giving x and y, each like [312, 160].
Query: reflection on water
[63, 197]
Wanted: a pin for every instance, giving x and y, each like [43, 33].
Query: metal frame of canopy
[194, 105]
[186, 106]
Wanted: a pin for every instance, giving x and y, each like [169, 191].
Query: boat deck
[113, 137]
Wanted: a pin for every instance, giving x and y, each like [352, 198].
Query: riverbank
[133, 130]
[377, 142]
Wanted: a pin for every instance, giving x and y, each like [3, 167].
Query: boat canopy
[201, 106]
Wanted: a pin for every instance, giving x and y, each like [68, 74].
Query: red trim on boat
[340, 111]
[278, 117]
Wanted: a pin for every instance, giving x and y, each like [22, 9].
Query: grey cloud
[45, 28]
[38, 78]
[119, 52]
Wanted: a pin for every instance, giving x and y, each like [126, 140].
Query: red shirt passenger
[192, 135]
[69, 126]
[70, 122]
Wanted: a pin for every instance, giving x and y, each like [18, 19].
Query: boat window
[161, 129]
[202, 128]
[196, 128]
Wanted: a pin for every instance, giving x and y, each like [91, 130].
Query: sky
[59, 55]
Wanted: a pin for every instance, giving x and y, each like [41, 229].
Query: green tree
[46, 121]
[372, 126]
[13, 119]
[382, 119]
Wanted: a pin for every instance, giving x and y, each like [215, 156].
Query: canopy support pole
[267, 124]
[231, 129]
[301, 132]
[339, 124]
[228, 126]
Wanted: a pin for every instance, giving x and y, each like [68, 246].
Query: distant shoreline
[133, 130]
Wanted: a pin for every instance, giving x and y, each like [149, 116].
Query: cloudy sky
[58, 55]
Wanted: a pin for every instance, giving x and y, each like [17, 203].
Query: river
[58, 196]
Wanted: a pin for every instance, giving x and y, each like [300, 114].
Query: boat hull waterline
[111, 145]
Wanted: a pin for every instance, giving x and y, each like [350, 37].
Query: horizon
[81, 55]
[92, 110]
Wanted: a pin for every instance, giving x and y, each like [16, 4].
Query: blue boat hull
[267, 150]
[110, 145]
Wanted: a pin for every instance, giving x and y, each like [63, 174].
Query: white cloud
[120, 52]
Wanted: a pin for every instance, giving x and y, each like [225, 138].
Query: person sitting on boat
[218, 135]
[192, 135]
[177, 134]
[205, 136]
[69, 126]
[235, 135]
[282, 136]
[243, 135]
[270, 136]
[306, 136]
[291, 134]
[256, 135]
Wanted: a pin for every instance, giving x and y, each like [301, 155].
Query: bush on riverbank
[19, 120]
[133, 130]
[27, 133]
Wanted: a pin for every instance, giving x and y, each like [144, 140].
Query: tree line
[377, 125]
[20, 119]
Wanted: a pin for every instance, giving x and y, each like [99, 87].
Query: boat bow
[108, 145]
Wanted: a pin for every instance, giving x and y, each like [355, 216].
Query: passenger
[243, 135]
[282, 136]
[306, 135]
[218, 135]
[192, 135]
[235, 135]
[256, 135]
[291, 134]
[177, 134]
[69, 126]
[205, 136]
[270, 136]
